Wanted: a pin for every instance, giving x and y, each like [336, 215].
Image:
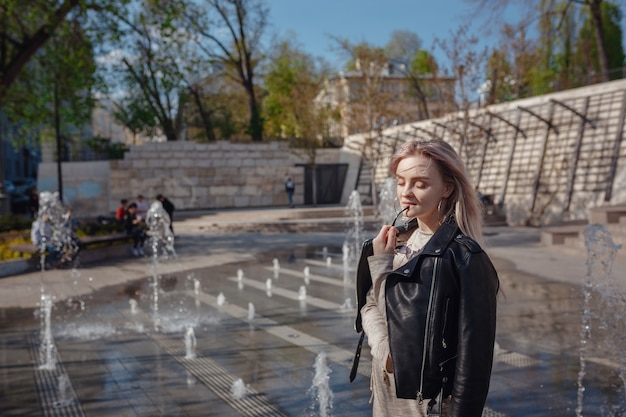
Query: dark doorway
[330, 180]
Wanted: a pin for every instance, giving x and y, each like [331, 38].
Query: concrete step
[580, 251]
[569, 238]
[607, 214]
[556, 235]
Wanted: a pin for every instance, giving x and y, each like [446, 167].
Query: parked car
[24, 186]
[20, 196]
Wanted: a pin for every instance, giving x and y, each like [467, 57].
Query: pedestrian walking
[290, 187]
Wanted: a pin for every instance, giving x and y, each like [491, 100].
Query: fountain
[347, 306]
[190, 343]
[161, 242]
[268, 287]
[47, 349]
[302, 293]
[251, 312]
[608, 311]
[64, 394]
[347, 262]
[240, 279]
[354, 215]
[54, 232]
[160, 235]
[238, 390]
[320, 388]
[387, 208]
[307, 273]
[276, 266]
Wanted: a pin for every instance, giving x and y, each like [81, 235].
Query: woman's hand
[385, 241]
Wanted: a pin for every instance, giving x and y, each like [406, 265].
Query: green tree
[292, 81]
[54, 91]
[499, 81]
[508, 71]
[25, 27]
[587, 52]
[556, 26]
[135, 114]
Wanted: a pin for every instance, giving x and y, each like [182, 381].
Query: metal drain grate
[516, 359]
[48, 386]
[220, 381]
[488, 412]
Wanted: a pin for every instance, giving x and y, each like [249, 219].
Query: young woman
[427, 296]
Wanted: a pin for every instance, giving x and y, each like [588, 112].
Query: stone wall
[545, 159]
[192, 175]
[85, 185]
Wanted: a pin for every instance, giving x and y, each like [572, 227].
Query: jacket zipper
[445, 323]
[420, 395]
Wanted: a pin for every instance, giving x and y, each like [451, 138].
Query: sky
[364, 20]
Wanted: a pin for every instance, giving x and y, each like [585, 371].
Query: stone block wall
[192, 175]
[85, 185]
[209, 175]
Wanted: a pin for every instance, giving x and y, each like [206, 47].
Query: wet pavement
[122, 347]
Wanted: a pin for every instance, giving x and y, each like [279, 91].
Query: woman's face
[420, 187]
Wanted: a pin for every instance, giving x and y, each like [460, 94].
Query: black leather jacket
[441, 320]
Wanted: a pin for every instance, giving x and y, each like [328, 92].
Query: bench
[86, 241]
[557, 235]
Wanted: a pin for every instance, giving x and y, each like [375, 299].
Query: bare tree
[153, 70]
[467, 64]
[230, 34]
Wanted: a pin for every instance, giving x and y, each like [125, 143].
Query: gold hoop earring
[439, 216]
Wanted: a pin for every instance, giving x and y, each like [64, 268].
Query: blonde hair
[463, 202]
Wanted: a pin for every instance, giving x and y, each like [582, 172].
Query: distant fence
[544, 159]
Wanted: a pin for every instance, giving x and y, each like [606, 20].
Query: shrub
[7, 239]
[12, 222]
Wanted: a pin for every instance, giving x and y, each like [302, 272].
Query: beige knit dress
[383, 399]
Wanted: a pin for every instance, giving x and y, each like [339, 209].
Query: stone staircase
[568, 238]
[364, 183]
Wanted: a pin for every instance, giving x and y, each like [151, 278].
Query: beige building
[365, 101]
